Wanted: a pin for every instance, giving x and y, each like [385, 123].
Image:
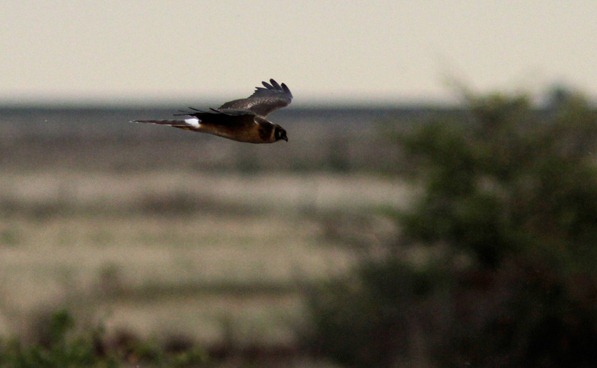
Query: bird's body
[241, 120]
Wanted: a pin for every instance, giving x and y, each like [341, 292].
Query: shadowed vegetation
[508, 220]
[59, 344]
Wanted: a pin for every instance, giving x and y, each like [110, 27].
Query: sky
[370, 52]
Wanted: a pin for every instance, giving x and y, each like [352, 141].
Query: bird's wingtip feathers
[274, 83]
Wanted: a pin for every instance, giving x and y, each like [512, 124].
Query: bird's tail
[189, 124]
[174, 123]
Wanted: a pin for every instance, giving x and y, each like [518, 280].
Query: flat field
[149, 238]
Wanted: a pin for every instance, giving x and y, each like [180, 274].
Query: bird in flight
[242, 120]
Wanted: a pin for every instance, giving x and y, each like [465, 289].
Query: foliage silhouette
[508, 215]
[59, 345]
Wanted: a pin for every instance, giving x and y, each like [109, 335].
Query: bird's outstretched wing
[198, 120]
[264, 100]
[231, 118]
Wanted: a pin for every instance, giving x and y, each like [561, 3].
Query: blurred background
[436, 204]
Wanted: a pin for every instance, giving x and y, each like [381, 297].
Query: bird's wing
[229, 118]
[264, 100]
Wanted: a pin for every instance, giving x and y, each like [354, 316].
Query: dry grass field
[136, 236]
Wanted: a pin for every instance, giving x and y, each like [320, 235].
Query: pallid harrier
[240, 120]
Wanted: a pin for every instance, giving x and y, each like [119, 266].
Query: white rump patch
[194, 122]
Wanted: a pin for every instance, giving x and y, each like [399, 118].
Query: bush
[58, 346]
[509, 208]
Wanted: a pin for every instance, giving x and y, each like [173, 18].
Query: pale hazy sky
[144, 51]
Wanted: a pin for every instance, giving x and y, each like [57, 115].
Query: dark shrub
[509, 213]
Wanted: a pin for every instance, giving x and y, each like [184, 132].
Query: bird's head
[280, 133]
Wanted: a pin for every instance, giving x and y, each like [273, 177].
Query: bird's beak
[286, 139]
